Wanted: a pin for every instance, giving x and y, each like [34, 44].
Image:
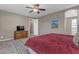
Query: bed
[52, 44]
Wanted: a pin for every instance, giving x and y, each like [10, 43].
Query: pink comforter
[53, 44]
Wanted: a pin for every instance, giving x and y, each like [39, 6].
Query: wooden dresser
[20, 34]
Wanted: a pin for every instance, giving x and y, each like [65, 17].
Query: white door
[35, 26]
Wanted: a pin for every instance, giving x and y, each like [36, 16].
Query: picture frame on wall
[55, 23]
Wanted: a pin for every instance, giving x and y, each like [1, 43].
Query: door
[34, 27]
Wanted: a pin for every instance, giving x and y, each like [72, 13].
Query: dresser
[20, 34]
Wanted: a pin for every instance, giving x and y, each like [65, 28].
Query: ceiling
[20, 9]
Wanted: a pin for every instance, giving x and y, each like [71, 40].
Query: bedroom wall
[64, 28]
[45, 23]
[8, 23]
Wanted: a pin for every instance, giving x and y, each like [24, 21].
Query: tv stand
[20, 34]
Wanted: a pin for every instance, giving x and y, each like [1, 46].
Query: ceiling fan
[35, 8]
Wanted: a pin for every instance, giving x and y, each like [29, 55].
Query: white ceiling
[20, 8]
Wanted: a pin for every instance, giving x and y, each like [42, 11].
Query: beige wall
[8, 23]
[45, 23]
[64, 25]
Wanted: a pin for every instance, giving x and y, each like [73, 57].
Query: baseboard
[7, 39]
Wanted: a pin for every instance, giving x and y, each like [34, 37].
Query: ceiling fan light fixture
[35, 10]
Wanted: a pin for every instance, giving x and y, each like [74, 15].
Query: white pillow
[76, 39]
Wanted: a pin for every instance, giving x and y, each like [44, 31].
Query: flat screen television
[20, 28]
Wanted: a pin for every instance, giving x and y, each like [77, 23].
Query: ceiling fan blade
[29, 7]
[42, 9]
[31, 11]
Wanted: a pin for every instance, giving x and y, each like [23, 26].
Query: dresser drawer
[20, 34]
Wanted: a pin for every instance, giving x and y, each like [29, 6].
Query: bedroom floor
[13, 47]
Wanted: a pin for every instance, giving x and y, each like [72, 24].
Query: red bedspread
[53, 44]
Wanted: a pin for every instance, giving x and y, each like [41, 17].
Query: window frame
[72, 17]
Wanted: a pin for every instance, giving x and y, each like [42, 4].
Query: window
[71, 21]
[71, 13]
[74, 26]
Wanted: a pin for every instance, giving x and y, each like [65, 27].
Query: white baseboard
[6, 39]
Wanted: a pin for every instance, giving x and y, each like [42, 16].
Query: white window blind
[72, 16]
[74, 26]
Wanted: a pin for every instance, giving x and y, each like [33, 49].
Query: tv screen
[20, 28]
